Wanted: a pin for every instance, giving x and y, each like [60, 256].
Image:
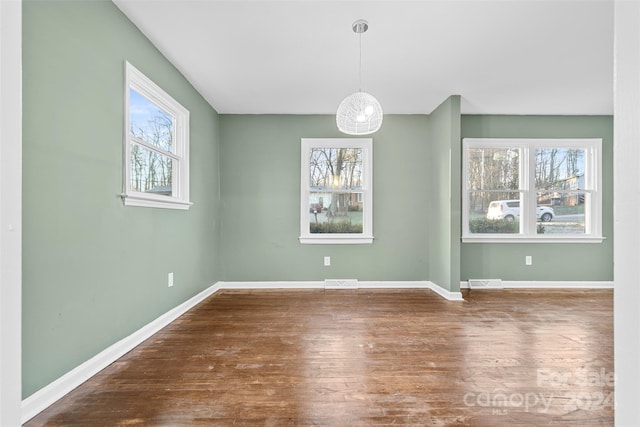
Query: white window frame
[528, 146]
[366, 144]
[179, 199]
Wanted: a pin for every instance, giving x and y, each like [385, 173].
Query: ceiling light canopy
[359, 113]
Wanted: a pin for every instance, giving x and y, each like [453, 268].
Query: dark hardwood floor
[363, 358]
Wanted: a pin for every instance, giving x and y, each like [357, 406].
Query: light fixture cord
[360, 65]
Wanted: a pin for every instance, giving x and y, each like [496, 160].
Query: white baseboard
[273, 285]
[545, 284]
[40, 400]
[446, 294]
[417, 284]
[46, 396]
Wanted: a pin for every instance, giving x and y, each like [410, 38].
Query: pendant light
[359, 113]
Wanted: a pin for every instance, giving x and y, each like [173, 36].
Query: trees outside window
[156, 160]
[532, 189]
[336, 193]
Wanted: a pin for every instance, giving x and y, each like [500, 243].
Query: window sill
[336, 240]
[152, 202]
[528, 239]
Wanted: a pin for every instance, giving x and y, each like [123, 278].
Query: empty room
[319, 213]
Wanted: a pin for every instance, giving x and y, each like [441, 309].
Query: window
[156, 149]
[336, 191]
[532, 190]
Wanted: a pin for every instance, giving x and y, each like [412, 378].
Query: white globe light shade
[359, 114]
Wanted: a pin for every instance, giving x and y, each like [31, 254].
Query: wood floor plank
[363, 358]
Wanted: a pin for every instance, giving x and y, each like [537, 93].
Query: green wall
[444, 194]
[551, 262]
[261, 202]
[94, 270]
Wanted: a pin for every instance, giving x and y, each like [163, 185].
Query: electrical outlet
[327, 261]
[528, 260]
[170, 280]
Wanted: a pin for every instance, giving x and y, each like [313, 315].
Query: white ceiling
[301, 57]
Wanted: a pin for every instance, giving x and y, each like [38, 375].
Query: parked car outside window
[510, 210]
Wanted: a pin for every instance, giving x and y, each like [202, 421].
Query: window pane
[494, 212]
[561, 212]
[493, 168]
[560, 169]
[151, 172]
[335, 212]
[149, 122]
[335, 168]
